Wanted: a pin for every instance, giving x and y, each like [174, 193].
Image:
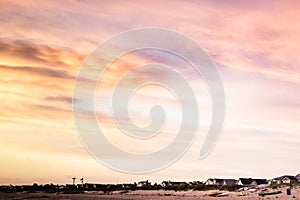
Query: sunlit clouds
[255, 46]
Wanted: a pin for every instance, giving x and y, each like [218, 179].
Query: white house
[286, 179]
[143, 183]
[251, 182]
[214, 181]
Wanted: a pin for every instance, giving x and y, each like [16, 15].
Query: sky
[254, 44]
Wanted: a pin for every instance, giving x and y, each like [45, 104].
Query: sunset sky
[255, 46]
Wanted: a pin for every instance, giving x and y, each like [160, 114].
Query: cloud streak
[38, 71]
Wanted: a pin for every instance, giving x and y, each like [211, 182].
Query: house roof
[286, 176]
[217, 180]
[248, 181]
[229, 182]
[177, 182]
[260, 181]
[144, 181]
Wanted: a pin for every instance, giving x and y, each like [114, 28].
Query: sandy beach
[150, 195]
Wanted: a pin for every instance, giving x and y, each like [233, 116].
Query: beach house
[286, 179]
[251, 182]
[172, 183]
[143, 183]
[229, 182]
[214, 181]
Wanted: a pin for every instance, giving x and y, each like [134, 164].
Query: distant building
[221, 182]
[214, 181]
[286, 179]
[143, 183]
[71, 186]
[172, 183]
[298, 177]
[93, 186]
[27, 187]
[90, 186]
[229, 182]
[196, 183]
[5, 187]
[128, 185]
[251, 182]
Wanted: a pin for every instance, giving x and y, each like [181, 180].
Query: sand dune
[149, 195]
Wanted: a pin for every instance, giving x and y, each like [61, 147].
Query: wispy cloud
[38, 71]
[24, 52]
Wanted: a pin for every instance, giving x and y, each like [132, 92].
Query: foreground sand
[149, 195]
